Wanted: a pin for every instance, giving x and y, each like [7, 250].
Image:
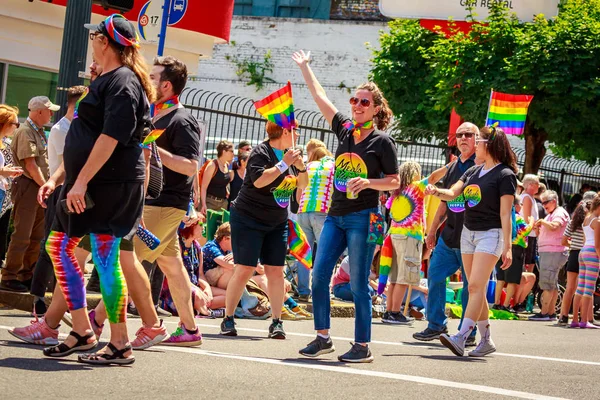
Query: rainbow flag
[152, 136]
[298, 244]
[278, 107]
[509, 111]
[385, 263]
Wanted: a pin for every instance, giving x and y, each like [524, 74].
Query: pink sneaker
[149, 336]
[97, 328]
[37, 333]
[182, 338]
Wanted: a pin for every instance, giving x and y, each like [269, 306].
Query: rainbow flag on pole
[509, 111]
[278, 107]
[298, 244]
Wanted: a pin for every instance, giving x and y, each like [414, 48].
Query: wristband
[281, 166]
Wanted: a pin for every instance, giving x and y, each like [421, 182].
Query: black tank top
[218, 184]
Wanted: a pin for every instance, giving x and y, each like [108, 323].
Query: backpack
[203, 168]
[156, 180]
[254, 303]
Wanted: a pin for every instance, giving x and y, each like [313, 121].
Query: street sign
[443, 9]
[150, 18]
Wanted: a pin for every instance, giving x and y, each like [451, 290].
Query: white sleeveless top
[589, 235]
[535, 213]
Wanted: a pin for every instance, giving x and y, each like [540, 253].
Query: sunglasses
[93, 35]
[467, 135]
[17, 124]
[477, 141]
[363, 102]
[546, 202]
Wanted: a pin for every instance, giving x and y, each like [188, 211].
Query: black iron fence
[234, 118]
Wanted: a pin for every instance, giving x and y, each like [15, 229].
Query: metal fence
[234, 118]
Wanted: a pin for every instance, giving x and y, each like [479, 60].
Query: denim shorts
[490, 242]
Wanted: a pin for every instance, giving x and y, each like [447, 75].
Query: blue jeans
[312, 225]
[349, 231]
[344, 291]
[444, 263]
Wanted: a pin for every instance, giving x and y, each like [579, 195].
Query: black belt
[210, 196]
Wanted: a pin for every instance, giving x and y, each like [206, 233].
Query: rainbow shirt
[523, 230]
[317, 194]
[408, 211]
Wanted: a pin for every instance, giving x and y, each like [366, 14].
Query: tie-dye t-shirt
[319, 191]
[407, 210]
[482, 196]
[269, 204]
[522, 230]
[374, 157]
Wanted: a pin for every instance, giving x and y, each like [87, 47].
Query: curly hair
[384, 116]
[498, 146]
[408, 173]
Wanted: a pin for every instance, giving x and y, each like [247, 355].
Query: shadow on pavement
[216, 336]
[319, 361]
[455, 358]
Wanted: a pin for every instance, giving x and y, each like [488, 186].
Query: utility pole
[73, 51]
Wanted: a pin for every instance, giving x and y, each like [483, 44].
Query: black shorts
[85, 244]
[252, 241]
[514, 272]
[117, 211]
[573, 261]
[531, 253]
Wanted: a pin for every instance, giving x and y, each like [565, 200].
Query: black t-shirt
[456, 208]
[235, 186]
[267, 205]
[372, 158]
[482, 195]
[217, 186]
[115, 104]
[182, 138]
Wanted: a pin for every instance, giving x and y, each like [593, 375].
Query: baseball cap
[118, 29]
[42, 103]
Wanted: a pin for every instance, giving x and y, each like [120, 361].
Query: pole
[73, 51]
[163, 27]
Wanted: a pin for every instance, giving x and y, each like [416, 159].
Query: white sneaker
[484, 348]
[455, 343]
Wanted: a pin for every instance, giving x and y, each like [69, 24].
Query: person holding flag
[259, 215]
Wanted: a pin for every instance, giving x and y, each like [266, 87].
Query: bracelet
[301, 170]
[281, 166]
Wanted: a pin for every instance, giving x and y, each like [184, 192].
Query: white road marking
[312, 335]
[369, 373]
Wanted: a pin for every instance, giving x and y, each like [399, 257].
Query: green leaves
[425, 74]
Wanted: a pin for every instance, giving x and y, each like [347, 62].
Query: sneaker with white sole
[318, 347]
[485, 347]
[37, 333]
[147, 337]
[455, 343]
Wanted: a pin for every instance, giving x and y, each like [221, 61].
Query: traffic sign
[150, 18]
[443, 9]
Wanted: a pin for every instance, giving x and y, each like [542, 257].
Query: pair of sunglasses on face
[363, 102]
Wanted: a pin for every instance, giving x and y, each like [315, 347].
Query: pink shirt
[548, 240]
[342, 274]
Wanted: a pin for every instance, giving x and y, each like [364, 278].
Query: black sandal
[117, 357]
[63, 350]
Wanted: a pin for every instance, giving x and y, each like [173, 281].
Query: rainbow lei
[356, 127]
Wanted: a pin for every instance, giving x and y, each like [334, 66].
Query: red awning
[211, 17]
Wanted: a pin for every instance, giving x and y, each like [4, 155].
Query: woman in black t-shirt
[489, 191]
[365, 163]
[258, 219]
[215, 181]
[103, 193]
[238, 177]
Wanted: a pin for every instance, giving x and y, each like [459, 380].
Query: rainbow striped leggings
[69, 276]
[588, 271]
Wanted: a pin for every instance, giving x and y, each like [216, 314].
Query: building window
[24, 83]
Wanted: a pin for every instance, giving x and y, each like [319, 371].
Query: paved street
[534, 361]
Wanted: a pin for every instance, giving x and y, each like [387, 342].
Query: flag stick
[487, 118]
[408, 294]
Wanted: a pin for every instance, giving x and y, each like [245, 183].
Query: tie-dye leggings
[588, 271]
[105, 254]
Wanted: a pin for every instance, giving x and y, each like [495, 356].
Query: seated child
[402, 249]
[217, 265]
[341, 279]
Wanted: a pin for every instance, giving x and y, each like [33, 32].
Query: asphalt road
[535, 360]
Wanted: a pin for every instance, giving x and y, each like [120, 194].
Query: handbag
[156, 180]
[376, 228]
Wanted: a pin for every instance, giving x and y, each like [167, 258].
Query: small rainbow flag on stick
[152, 136]
[298, 244]
[278, 107]
[509, 111]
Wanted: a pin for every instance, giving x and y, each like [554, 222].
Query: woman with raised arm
[365, 163]
[489, 191]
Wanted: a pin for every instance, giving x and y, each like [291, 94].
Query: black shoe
[563, 320]
[303, 297]
[519, 308]
[471, 341]
[385, 317]
[132, 311]
[162, 313]
[276, 329]
[539, 317]
[398, 318]
[228, 327]
[27, 283]
[429, 334]
[357, 354]
[39, 308]
[496, 307]
[552, 317]
[502, 308]
[13, 285]
[318, 347]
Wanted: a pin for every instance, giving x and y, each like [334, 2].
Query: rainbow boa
[298, 244]
[385, 263]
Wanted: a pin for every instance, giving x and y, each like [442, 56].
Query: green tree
[425, 75]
